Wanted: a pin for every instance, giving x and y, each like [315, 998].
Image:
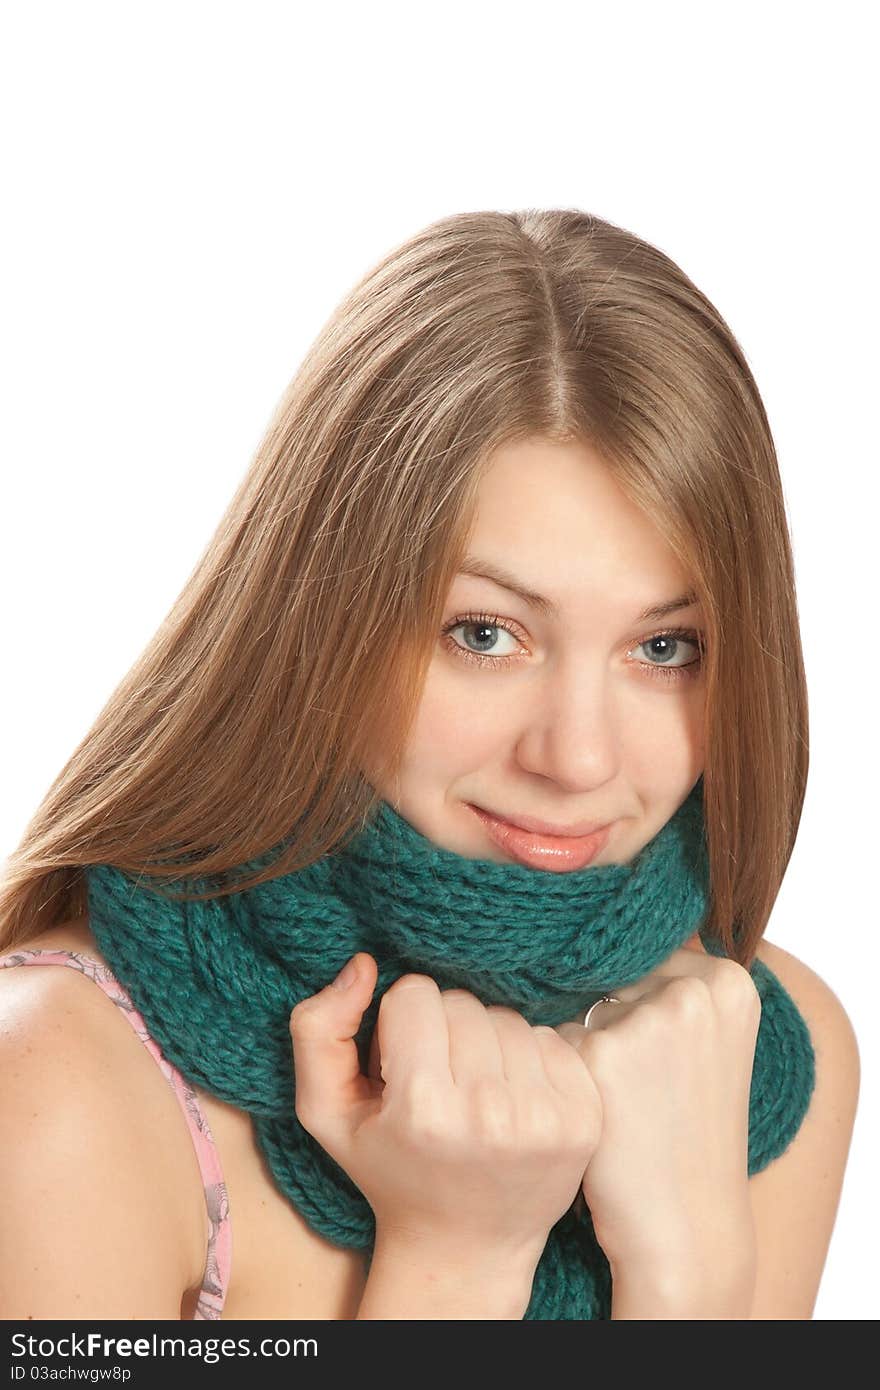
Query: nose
[569, 735]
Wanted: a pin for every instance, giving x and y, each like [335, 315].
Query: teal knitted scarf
[216, 981]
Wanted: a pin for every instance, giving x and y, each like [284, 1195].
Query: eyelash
[687, 672]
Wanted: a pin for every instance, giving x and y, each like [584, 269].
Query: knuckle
[424, 1130]
[304, 1019]
[419, 1096]
[493, 1109]
[424, 1122]
[688, 997]
[733, 984]
[726, 968]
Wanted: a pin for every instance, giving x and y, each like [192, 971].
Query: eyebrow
[486, 569]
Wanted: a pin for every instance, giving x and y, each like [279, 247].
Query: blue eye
[481, 623]
[676, 635]
[487, 624]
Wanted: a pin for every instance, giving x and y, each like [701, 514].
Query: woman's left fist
[673, 1065]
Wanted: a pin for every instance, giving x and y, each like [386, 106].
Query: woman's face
[561, 713]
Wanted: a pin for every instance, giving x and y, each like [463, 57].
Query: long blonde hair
[297, 649]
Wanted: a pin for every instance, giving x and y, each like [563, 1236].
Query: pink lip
[557, 853]
[546, 827]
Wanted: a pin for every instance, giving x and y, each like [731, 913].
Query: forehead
[555, 515]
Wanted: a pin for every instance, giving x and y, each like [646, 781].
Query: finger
[563, 1063]
[474, 1047]
[413, 1034]
[322, 1030]
[521, 1053]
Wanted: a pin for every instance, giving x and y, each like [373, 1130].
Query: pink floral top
[218, 1259]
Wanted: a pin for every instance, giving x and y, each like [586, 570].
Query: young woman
[488, 687]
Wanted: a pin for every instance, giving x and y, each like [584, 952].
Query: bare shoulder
[62, 1018]
[55, 1012]
[814, 993]
[99, 1184]
[796, 1197]
[831, 1028]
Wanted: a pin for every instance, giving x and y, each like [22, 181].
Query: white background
[191, 188]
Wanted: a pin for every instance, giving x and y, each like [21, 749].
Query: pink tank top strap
[218, 1259]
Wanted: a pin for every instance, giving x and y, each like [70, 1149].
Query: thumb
[322, 1029]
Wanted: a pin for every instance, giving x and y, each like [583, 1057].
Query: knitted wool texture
[216, 981]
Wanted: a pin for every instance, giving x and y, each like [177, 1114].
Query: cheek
[454, 728]
[676, 726]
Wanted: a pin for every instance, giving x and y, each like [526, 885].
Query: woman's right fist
[473, 1120]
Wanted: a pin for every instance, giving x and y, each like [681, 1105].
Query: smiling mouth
[534, 826]
[556, 853]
